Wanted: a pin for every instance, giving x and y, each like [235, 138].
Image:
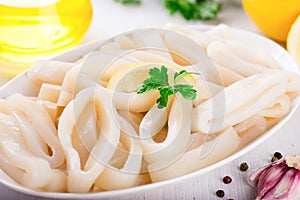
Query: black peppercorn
[227, 179]
[244, 167]
[278, 155]
[220, 193]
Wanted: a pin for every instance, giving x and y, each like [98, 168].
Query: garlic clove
[270, 177]
[253, 175]
[283, 186]
[279, 180]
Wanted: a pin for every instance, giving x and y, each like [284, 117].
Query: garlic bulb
[278, 180]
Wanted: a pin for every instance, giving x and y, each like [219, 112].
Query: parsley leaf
[159, 76]
[199, 10]
[159, 80]
[180, 75]
[162, 101]
[206, 10]
[127, 2]
[187, 91]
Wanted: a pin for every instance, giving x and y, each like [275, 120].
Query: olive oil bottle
[33, 28]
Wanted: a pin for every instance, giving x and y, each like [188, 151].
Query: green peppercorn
[274, 159]
[244, 167]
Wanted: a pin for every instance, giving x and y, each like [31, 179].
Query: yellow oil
[30, 31]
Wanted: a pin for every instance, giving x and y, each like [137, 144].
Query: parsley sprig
[159, 80]
[128, 2]
[190, 10]
[198, 10]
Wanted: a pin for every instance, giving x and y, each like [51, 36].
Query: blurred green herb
[198, 10]
[190, 10]
[159, 80]
[128, 2]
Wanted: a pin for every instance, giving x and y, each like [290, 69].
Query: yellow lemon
[293, 40]
[129, 78]
[273, 17]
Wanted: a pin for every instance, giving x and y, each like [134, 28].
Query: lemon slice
[293, 40]
[129, 78]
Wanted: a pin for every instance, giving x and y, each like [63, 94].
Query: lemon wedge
[293, 40]
[129, 78]
[273, 17]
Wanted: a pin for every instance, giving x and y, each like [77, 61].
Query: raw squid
[20, 162]
[36, 123]
[278, 108]
[49, 71]
[128, 173]
[197, 158]
[233, 105]
[251, 128]
[81, 178]
[222, 55]
[177, 139]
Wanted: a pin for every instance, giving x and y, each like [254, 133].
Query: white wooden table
[111, 18]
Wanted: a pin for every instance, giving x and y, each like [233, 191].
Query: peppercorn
[227, 179]
[278, 155]
[244, 167]
[274, 159]
[220, 193]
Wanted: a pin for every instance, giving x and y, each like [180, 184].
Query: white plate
[21, 84]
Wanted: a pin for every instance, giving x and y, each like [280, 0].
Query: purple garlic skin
[276, 181]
